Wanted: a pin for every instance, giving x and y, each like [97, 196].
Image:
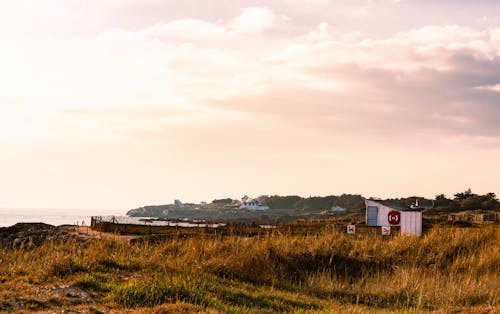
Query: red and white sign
[394, 217]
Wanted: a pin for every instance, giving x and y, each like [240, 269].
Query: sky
[116, 104]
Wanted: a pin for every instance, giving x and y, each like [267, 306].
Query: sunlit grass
[330, 272]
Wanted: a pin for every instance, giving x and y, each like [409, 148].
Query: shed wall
[411, 223]
[383, 212]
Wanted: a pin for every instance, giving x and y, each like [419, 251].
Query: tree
[442, 201]
[489, 201]
[223, 201]
[283, 202]
[463, 195]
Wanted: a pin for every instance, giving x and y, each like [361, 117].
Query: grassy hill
[450, 269]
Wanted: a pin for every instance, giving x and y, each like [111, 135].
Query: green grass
[449, 269]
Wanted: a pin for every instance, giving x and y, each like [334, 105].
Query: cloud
[154, 95]
[438, 80]
[254, 20]
[423, 87]
[493, 88]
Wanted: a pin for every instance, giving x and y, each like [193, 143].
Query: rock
[29, 235]
[18, 242]
[9, 306]
[73, 294]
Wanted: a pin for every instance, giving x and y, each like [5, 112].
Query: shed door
[371, 215]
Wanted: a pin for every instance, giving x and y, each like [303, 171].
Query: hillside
[448, 270]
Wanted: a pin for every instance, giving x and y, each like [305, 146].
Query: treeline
[460, 202]
[347, 201]
[467, 201]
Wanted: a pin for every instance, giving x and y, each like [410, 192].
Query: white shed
[378, 213]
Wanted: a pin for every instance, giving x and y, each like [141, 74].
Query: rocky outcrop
[28, 235]
[149, 211]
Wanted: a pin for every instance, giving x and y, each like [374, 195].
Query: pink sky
[118, 104]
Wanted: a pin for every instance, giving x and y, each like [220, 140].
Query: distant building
[252, 204]
[177, 203]
[422, 204]
[337, 209]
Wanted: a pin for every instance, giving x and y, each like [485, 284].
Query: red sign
[394, 217]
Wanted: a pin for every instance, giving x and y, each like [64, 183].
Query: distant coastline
[56, 217]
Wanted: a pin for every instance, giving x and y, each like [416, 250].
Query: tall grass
[446, 268]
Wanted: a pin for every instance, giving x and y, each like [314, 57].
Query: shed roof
[395, 206]
[423, 204]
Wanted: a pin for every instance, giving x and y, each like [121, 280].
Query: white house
[422, 204]
[252, 204]
[380, 213]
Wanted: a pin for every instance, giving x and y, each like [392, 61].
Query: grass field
[448, 270]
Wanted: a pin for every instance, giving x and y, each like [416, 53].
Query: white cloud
[187, 30]
[199, 66]
[254, 20]
[187, 63]
[494, 88]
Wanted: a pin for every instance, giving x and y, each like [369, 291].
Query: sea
[56, 217]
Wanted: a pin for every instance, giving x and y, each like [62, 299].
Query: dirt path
[88, 233]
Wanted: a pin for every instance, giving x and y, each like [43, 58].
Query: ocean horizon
[56, 217]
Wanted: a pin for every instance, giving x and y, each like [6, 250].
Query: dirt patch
[89, 233]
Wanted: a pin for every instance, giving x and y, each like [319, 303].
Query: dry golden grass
[455, 270]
